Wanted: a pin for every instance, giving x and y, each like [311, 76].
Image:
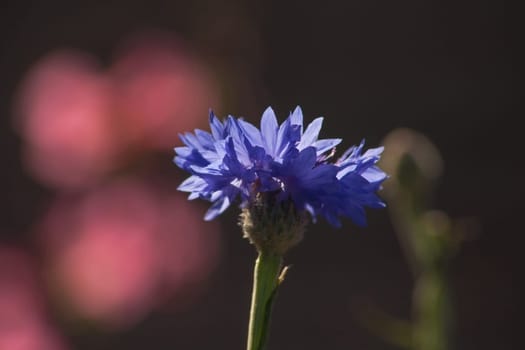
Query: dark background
[443, 68]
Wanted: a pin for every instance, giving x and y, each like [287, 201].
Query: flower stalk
[265, 282]
[273, 228]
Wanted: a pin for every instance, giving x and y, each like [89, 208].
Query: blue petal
[311, 134]
[323, 174]
[325, 145]
[187, 157]
[269, 130]
[190, 140]
[305, 160]
[194, 195]
[237, 135]
[356, 213]
[287, 136]
[374, 174]
[206, 140]
[217, 128]
[296, 118]
[217, 208]
[192, 184]
[251, 133]
[374, 152]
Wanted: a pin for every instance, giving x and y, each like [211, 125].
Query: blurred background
[99, 251]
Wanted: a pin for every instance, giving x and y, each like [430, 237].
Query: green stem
[433, 309]
[265, 282]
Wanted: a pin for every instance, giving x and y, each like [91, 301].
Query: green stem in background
[428, 237]
[432, 311]
[265, 282]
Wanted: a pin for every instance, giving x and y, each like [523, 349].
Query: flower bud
[273, 226]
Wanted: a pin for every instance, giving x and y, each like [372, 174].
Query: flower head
[287, 166]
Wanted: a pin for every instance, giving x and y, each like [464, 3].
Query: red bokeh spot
[23, 322]
[122, 249]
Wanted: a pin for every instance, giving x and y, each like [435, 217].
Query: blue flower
[285, 162]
